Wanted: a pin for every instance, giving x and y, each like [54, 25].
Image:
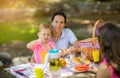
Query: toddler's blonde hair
[44, 26]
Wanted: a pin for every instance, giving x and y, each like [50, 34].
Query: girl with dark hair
[109, 40]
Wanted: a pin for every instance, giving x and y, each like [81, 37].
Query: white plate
[74, 70]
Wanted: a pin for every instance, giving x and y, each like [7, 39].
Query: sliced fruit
[62, 62]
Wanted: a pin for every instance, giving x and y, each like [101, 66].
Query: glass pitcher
[52, 60]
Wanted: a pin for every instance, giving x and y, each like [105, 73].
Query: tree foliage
[35, 3]
[20, 3]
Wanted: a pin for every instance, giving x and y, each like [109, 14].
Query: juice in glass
[43, 54]
[38, 72]
[95, 55]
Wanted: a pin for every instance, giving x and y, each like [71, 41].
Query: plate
[80, 68]
[79, 60]
[74, 70]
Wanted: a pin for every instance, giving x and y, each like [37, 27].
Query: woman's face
[58, 23]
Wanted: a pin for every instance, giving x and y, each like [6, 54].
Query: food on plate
[87, 61]
[62, 62]
[80, 67]
[76, 60]
[79, 60]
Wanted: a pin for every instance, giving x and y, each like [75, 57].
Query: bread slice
[76, 60]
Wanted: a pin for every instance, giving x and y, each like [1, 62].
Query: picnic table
[27, 71]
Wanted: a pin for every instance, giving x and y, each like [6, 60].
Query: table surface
[77, 75]
[86, 74]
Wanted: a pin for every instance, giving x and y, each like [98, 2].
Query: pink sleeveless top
[113, 75]
[38, 48]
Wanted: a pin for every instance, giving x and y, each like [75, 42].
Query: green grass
[21, 31]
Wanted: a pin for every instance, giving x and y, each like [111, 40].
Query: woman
[61, 35]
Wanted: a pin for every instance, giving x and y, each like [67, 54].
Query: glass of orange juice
[95, 55]
[43, 54]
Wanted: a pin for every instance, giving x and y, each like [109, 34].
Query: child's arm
[30, 44]
[103, 71]
[93, 69]
[32, 60]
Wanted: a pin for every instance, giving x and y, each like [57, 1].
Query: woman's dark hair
[109, 40]
[59, 13]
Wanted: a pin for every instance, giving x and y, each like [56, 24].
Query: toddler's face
[45, 35]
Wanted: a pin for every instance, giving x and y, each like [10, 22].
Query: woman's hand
[64, 52]
[68, 50]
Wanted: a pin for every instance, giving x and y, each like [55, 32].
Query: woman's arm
[73, 40]
[76, 48]
[70, 49]
[75, 44]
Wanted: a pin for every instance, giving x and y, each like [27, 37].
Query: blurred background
[19, 20]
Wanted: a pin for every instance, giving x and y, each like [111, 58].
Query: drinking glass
[71, 56]
[43, 54]
[39, 73]
[83, 57]
[95, 54]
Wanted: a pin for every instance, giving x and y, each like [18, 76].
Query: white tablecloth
[26, 71]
